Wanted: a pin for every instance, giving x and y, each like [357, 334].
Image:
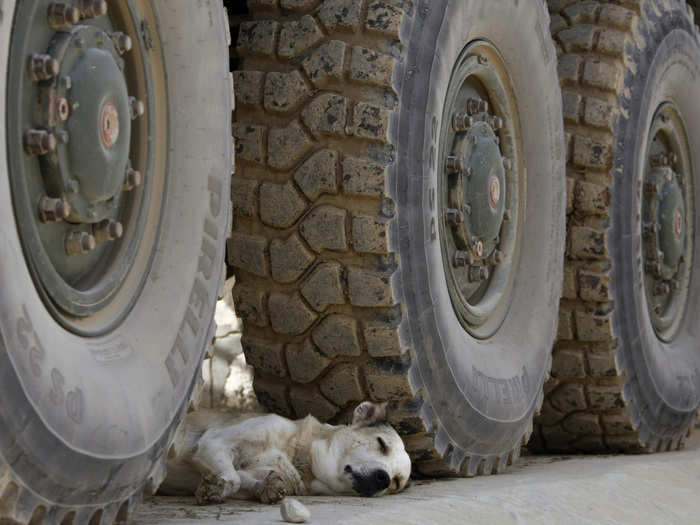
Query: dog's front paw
[273, 489]
[213, 489]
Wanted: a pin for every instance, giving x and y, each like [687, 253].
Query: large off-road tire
[91, 393]
[626, 368]
[339, 247]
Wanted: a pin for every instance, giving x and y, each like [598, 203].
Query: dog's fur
[269, 457]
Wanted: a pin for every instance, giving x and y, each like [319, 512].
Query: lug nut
[131, 180]
[477, 247]
[483, 60]
[659, 161]
[79, 242]
[496, 123]
[454, 217]
[478, 274]
[53, 210]
[93, 8]
[507, 163]
[650, 229]
[454, 164]
[652, 267]
[39, 142]
[137, 108]
[462, 122]
[107, 230]
[661, 289]
[476, 105]
[122, 42]
[43, 67]
[651, 189]
[62, 15]
[463, 259]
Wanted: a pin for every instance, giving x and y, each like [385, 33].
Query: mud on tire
[616, 384]
[338, 103]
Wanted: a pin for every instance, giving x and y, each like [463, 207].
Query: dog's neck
[311, 434]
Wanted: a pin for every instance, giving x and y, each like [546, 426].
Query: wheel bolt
[39, 142]
[659, 161]
[483, 60]
[79, 242]
[62, 15]
[454, 164]
[650, 230]
[53, 210]
[137, 108]
[122, 42]
[477, 247]
[93, 8]
[43, 67]
[476, 105]
[131, 180]
[463, 259]
[652, 267]
[661, 289]
[454, 217]
[478, 274]
[496, 123]
[462, 122]
[107, 230]
[651, 189]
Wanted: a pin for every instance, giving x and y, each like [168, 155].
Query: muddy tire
[91, 397]
[626, 364]
[341, 280]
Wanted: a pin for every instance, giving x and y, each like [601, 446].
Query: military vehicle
[479, 211]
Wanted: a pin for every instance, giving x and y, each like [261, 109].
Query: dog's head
[367, 458]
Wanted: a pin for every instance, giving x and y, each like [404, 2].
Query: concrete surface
[662, 488]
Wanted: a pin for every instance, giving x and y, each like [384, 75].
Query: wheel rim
[481, 191]
[79, 153]
[668, 221]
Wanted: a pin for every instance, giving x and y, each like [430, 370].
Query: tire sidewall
[666, 375]
[107, 405]
[481, 389]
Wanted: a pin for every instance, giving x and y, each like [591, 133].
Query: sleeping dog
[266, 458]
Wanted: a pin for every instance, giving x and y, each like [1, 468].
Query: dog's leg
[219, 479]
[272, 477]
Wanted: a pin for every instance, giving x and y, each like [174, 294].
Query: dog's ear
[369, 413]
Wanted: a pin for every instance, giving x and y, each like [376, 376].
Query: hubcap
[75, 154]
[667, 210]
[481, 191]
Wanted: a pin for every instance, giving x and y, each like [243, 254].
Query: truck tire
[109, 277]
[347, 233]
[626, 370]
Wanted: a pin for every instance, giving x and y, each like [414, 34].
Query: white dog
[269, 457]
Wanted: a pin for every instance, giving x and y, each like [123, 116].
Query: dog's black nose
[381, 478]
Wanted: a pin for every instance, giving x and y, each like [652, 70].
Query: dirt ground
[649, 489]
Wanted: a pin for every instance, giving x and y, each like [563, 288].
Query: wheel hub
[72, 177]
[481, 190]
[666, 209]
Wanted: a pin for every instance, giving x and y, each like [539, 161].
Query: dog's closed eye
[383, 446]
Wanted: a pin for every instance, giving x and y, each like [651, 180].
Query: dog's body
[269, 457]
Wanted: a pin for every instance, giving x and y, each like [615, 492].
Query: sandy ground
[662, 488]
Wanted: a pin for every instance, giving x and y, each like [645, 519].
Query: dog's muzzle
[368, 484]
